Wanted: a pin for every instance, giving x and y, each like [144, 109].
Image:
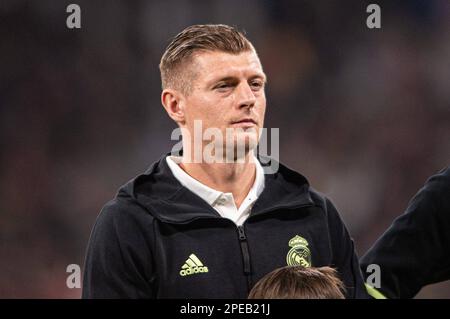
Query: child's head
[297, 282]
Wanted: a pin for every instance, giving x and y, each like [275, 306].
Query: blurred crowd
[363, 113]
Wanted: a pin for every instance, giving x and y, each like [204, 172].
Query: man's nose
[245, 96]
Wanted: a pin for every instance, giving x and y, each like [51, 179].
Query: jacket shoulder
[439, 184]
[322, 201]
[122, 217]
[433, 199]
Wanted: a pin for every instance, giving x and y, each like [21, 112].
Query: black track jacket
[157, 239]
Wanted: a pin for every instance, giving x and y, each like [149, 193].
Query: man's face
[227, 92]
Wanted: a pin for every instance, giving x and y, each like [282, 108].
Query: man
[298, 282]
[212, 226]
[415, 250]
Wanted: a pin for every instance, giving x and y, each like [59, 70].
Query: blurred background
[363, 113]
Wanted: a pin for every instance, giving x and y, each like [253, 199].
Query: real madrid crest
[299, 255]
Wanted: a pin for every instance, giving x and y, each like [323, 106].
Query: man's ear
[173, 102]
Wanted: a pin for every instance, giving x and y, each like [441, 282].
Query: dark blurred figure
[414, 251]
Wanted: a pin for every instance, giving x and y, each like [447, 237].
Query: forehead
[211, 64]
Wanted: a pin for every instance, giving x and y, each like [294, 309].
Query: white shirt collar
[207, 193]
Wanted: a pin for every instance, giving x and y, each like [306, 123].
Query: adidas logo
[193, 265]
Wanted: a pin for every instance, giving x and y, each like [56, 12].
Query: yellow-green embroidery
[193, 265]
[299, 254]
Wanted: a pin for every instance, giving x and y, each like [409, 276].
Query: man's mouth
[244, 122]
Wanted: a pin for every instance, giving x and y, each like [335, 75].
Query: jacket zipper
[245, 255]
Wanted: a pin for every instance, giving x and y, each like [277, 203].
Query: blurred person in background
[414, 251]
[188, 229]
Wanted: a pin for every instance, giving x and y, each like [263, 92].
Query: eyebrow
[233, 78]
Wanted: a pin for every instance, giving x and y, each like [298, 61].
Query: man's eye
[223, 86]
[256, 85]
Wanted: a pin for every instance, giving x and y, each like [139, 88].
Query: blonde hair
[193, 39]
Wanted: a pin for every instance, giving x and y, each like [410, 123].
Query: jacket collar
[158, 191]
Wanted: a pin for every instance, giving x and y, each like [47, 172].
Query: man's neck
[235, 178]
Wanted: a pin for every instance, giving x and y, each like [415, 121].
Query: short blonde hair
[196, 38]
